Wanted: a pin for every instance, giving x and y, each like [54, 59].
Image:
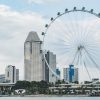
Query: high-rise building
[66, 74]
[70, 74]
[17, 75]
[76, 75]
[2, 78]
[51, 60]
[33, 67]
[10, 74]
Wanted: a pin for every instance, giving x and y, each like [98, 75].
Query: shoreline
[45, 96]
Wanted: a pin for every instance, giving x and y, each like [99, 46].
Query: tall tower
[33, 69]
[17, 75]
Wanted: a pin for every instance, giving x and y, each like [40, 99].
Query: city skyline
[18, 21]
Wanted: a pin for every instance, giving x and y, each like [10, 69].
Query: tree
[58, 82]
[22, 85]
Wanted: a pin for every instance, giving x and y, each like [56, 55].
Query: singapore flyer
[74, 36]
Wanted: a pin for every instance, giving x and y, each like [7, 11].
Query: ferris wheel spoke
[63, 60]
[92, 42]
[61, 44]
[92, 29]
[78, 26]
[74, 26]
[85, 28]
[82, 25]
[71, 32]
[63, 29]
[93, 50]
[63, 34]
[64, 55]
[67, 28]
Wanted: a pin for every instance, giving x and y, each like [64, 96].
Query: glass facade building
[33, 69]
[51, 59]
[70, 74]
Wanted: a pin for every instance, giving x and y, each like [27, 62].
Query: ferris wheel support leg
[92, 60]
[87, 71]
[74, 57]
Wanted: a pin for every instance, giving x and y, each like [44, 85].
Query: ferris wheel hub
[80, 47]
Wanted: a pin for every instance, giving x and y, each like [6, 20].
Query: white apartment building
[11, 74]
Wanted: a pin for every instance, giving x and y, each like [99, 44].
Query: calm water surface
[49, 98]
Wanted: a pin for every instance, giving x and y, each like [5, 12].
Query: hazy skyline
[19, 17]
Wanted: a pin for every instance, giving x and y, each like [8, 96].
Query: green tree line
[33, 87]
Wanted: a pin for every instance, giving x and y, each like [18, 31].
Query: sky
[19, 17]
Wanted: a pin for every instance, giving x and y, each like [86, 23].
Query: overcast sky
[19, 17]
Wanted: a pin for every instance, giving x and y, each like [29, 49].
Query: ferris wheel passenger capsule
[83, 8]
[91, 10]
[99, 14]
[58, 13]
[51, 18]
[46, 25]
[74, 8]
[43, 33]
[66, 10]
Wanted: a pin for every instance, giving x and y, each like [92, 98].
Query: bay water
[49, 98]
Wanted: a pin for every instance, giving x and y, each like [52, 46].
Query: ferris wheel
[74, 36]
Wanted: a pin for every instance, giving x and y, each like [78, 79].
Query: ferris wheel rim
[47, 26]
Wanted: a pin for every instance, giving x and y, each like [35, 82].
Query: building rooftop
[32, 36]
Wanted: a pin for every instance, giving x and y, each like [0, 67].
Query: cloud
[14, 28]
[42, 1]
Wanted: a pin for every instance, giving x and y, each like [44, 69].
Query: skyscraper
[70, 74]
[17, 75]
[66, 74]
[33, 67]
[51, 59]
[10, 74]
